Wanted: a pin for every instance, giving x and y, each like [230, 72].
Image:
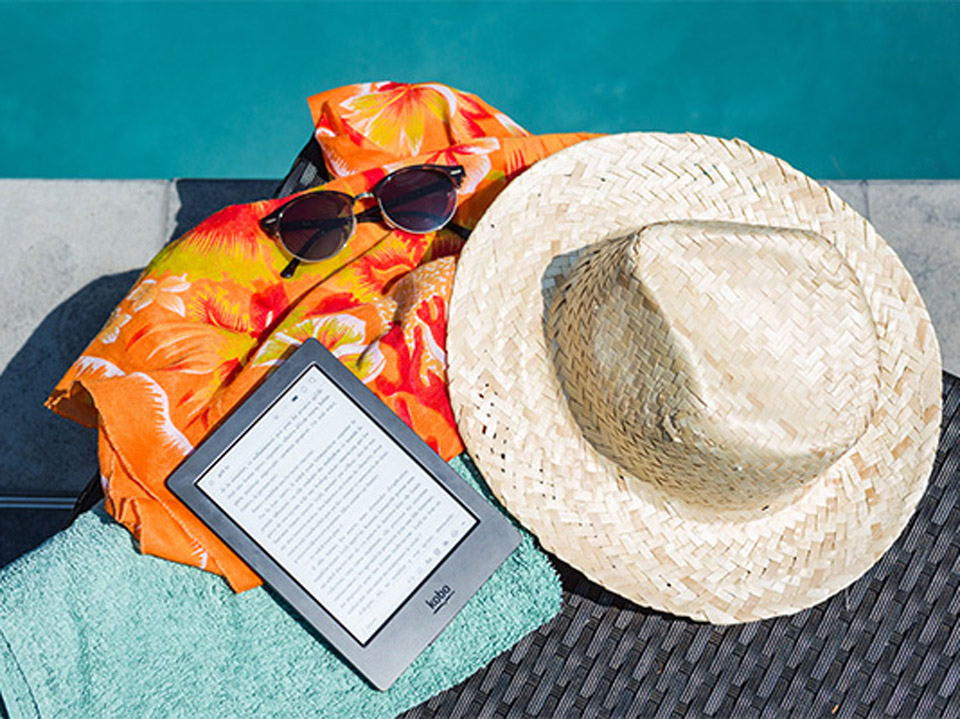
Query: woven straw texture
[713, 403]
[887, 646]
[809, 496]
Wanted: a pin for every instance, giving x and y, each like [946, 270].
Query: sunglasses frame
[270, 224]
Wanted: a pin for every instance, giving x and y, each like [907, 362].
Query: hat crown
[729, 364]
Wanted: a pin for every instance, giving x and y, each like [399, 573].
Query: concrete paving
[71, 249]
[921, 221]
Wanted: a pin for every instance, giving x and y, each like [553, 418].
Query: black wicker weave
[885, 647]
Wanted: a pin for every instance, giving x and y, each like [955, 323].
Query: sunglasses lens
[316, 226]
[418, 199]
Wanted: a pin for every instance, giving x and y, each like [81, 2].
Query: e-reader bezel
[414, 624]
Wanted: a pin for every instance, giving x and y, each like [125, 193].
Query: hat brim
[620, 531]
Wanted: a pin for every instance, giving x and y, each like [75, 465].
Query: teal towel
[91, 628]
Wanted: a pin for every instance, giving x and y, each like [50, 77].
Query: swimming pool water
[152, 89]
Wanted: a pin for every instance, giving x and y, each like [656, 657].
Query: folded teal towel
[91, 628]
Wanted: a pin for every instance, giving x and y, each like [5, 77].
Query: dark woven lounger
[885, 646]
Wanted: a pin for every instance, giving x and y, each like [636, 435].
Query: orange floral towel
[211, 316]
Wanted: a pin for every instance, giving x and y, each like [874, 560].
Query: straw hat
[696, 375]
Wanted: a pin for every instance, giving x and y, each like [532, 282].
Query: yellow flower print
[395, 116]
[344, 335]
[339, 333]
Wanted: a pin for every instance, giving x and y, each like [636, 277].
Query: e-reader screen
[345, 512]
[386, 523]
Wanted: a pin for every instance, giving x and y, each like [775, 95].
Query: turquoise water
[840, 90]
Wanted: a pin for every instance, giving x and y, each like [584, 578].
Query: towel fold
[91, 628]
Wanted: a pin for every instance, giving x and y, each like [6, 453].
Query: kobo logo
[440, 598]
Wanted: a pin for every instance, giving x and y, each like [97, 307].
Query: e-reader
[345, 512]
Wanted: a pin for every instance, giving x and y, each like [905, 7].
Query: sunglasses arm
[269, 225]
[287, 272]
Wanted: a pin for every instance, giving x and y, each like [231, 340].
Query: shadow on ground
[42, 454]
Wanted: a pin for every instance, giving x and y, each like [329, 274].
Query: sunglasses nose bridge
[371, 195]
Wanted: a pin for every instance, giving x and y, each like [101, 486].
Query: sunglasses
[315, 226]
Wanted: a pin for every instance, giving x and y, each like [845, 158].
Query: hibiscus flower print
[96, 366]
[476, 119]
[339, 333]
[233, 234]
[237, 309]
[395, 117]
[111, 330]
[344, 335]
[166, 293]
